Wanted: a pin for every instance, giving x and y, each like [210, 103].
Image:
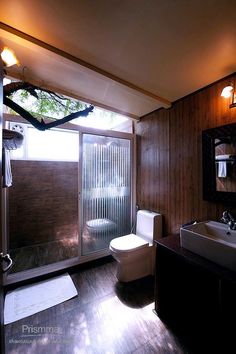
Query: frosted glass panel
[54, 145]
[50, 145]
[106, 191]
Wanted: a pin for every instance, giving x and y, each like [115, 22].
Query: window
[49, 145]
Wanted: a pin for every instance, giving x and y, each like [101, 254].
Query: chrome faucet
[228, 219]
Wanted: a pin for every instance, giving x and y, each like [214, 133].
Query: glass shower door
[105, 197]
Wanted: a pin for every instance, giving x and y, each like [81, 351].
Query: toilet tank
[149, 225]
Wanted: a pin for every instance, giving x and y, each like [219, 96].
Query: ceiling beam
[83, 63]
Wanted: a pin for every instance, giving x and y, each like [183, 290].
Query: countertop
[172, 243]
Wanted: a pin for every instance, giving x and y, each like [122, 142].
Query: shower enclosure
[62, 213]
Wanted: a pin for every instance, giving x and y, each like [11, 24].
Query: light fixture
[8, 57]
[6, 81]
[229, 92]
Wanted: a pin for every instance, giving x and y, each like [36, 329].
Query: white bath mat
[30, 299]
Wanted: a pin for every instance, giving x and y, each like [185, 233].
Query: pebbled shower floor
[38, 255]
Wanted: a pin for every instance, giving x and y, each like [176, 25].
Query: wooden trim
[72, 95]
[103, 132]
[74, 127]
[83, 63]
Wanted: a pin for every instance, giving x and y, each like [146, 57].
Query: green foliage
[47, 104]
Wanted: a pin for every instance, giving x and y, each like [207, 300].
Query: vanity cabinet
[193, 293]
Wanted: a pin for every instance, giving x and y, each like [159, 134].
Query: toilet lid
[128, 243]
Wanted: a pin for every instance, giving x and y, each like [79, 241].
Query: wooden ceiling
[130, 56]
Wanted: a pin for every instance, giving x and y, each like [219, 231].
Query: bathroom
[117, 317]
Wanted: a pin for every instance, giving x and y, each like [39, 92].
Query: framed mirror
[219, 163]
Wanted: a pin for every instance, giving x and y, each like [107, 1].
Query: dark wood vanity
[193, 293]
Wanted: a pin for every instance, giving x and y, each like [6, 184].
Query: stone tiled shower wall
[43, 202]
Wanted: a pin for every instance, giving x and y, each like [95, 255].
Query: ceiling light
[8, 57]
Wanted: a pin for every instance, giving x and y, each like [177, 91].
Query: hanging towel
[6, 168]
[224, 157]
[222, 169]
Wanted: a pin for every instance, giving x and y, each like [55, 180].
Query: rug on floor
[30, 299]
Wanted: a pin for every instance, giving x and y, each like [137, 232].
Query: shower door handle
[6, 258]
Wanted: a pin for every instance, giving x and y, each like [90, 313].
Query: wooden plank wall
[153, 162]
[169, 169]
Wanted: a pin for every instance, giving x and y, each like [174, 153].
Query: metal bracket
[6, 258]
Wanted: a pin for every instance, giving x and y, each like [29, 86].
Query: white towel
[7, 176]
[222, 169]
[224, 157]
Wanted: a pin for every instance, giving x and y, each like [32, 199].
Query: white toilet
[135, 253]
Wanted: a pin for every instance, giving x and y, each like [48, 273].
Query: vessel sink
[211, 240]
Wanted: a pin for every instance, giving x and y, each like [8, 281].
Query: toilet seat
[128, 243]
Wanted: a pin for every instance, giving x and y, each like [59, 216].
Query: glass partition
[106, 190]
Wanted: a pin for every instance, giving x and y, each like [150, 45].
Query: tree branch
[42, 125]
[9, 89]
[55, 98]
[70, 117]
[22, 112]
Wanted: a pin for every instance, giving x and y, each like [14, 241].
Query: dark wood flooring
[107, 317]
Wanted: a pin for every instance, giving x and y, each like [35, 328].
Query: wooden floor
[107, 317]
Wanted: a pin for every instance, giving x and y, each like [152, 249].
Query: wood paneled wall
[43, 202]
[169, 170]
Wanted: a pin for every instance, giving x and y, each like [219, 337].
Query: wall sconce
[229, 92]
[6, 81]
[8, 57]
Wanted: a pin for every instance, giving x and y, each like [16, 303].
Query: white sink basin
[211, 240]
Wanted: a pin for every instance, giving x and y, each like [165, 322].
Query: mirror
[219, 163]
